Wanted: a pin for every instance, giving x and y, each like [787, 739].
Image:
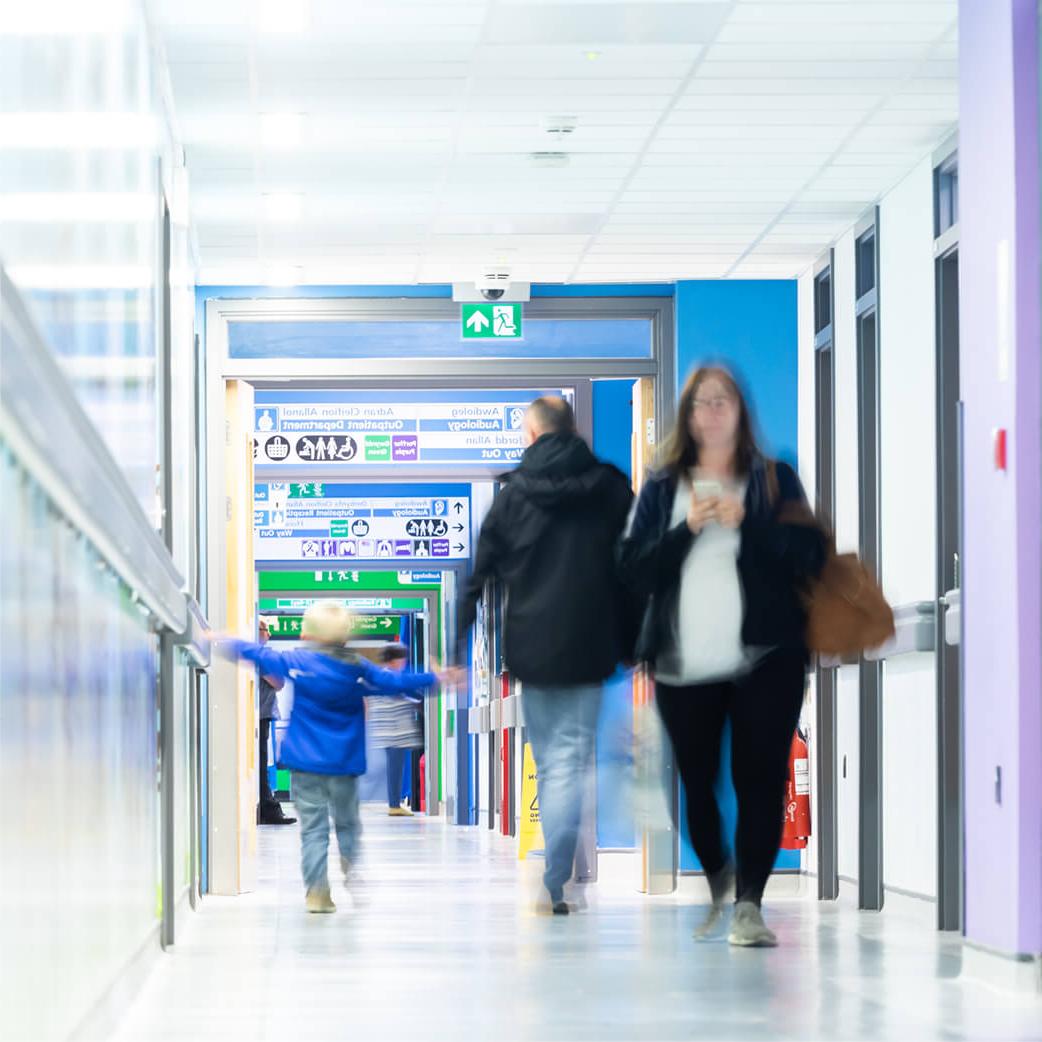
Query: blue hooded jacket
[326, 733]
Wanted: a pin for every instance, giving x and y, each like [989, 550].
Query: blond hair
[328, 622]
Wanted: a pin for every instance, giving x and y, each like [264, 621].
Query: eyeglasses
[712, 404]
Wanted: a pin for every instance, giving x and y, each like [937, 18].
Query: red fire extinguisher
[797, 796]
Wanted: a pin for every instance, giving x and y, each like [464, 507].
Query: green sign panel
[393, 604]
[287, 627]
[349, 579]
[378, 448]
[389, 626]
[306, 490]
[491, 321]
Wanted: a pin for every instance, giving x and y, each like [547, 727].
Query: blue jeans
[318, 797]
[395, 768]
[562, 726]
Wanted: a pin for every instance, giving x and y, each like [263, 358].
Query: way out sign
[491, 321]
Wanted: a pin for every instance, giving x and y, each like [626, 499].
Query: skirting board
[1021, 974]
[102, 1019]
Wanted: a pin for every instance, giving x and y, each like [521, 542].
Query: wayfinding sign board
[348, 579]
[288, 627]
[318, 520]
[430, 429]
[355, 604]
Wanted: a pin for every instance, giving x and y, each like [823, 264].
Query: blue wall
[752, 327]
[612, 441]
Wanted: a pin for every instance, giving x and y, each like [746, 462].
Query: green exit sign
[491, 321]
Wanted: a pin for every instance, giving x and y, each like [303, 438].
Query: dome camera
[493, 283]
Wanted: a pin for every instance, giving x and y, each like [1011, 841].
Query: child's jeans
[317, 797]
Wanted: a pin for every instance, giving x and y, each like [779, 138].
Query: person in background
[724, 629]
[324, 745]
[550, 538]
[269, 810]
[396, 725]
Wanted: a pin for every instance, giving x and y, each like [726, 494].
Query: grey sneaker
[721, 887]
[748, 930]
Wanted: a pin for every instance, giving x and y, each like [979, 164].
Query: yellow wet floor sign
[530, 834]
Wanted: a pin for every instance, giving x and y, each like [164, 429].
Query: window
[865, 263]
[946, 195]
[823, 301]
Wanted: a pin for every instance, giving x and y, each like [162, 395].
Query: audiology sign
[433, 429]
[312, 520]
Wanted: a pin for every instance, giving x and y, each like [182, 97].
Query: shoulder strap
[773, 492]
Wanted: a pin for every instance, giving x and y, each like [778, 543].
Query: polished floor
[449, 945]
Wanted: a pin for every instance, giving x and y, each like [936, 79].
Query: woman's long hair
[680, 450]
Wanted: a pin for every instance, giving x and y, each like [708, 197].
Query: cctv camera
[493, 283]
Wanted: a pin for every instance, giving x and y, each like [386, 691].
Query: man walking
[550, 538]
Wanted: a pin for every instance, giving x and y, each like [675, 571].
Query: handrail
[196, 639]
[45, 427]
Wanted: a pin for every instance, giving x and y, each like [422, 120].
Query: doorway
[949, 551]
[866, 310]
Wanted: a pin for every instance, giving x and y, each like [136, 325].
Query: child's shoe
[319, 900]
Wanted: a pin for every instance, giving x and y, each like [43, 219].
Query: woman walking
[724, 629]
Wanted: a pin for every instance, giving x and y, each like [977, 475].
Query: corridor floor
[449, 945]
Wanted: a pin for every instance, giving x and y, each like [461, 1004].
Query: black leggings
[764, 709]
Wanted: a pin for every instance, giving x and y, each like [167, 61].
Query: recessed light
[281, 129]
[592, 56]
[282, 206]
[283, 16]
[560, 126]
[549, 160]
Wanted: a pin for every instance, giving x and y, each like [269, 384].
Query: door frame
[394, 373]
[870, 767]
[826, 717]
[950, 807]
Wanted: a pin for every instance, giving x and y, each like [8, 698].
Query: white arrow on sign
[478, 322]
[387, 623]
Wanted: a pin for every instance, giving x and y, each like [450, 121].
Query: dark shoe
[276, 819]
[561, 908]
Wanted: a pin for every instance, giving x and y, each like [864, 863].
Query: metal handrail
[196, 637]
[47, 430]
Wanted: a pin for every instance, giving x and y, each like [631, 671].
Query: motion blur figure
[724, 629]
[550, 538]
[324, 745]
[396, 725]
[269, 810]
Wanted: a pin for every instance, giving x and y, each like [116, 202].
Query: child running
[324, 746]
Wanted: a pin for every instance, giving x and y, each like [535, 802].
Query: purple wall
[1002, 576]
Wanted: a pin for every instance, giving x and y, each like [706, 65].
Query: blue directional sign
[326, 522]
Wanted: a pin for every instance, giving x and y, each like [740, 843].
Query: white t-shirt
[708, 636]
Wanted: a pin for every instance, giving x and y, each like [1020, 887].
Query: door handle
[952, 603]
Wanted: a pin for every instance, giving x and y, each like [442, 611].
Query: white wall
[909, 525]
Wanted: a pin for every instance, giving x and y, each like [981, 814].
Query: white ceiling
[713, 139]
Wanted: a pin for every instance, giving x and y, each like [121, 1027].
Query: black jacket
[551, 539]
[775, 563]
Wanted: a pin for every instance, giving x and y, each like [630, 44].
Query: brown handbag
[846, 610]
